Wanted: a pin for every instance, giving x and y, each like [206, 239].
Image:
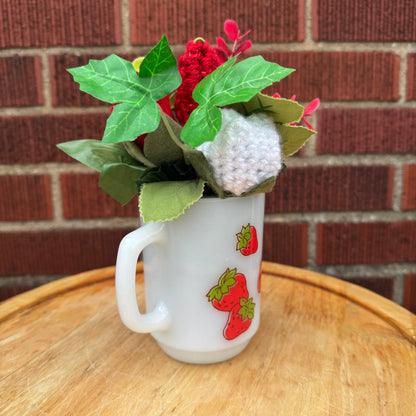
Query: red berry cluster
[231, 295]
[196, 63]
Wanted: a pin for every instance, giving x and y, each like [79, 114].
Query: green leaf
[159, 73]
[203, 125]
[135, 152]
[293, 137]
[282, 111]
[119, 181]
[168, 171]
[164, 201]
[128, 121]
[227, 85]
[203, 92]
[95, 154]
[162, 144]
[201, 164]
[231, 84]
[113, 79]
[192, 156]
[263, 187]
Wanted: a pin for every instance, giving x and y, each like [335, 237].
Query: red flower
[307, 111]
[197, 62]
[233, 32]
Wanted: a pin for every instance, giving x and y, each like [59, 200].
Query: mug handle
[128, 252]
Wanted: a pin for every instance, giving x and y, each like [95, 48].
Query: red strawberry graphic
[239, 318]
[230, 288]
[247, 240]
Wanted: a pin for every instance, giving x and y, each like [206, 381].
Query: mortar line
[308, 42]
[398, 288]
[312, 246]
[125, 23]
[290, 46]
[58, 218]
[402, 76]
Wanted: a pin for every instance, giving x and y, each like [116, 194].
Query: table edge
[394, 314]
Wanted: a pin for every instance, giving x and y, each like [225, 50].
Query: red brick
[65, 91]
[409, 300]
[335, 188]
[184, 20]
[82, 198]
[371, 20]
[338, 76]
[25, 197]
[411, 76]
[58, 252]
[286, 243]
[409, 187]
[366, 130]
[384, 286]
[366, 243]
[32, 23]
[33, 139]
[21, 81]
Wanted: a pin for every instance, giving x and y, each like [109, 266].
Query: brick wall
[345, 206]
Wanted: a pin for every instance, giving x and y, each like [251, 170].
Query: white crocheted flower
[245, 152]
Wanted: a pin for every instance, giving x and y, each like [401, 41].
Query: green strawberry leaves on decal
[227, 85]
[244, 236]
[247, 308]
[114, 80]
[226, 280]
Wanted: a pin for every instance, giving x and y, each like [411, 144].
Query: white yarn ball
[245, 152]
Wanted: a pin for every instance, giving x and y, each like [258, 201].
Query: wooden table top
[324, 347]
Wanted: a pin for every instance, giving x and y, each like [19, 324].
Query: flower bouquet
[179, 130]
[195, 137]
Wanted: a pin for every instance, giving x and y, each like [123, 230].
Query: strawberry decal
[230, 288]
[231, 295]
[240, 318]
[247, 242]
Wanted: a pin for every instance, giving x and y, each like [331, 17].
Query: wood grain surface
[324, 347]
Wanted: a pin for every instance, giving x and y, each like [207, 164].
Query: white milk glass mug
[201, 276]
